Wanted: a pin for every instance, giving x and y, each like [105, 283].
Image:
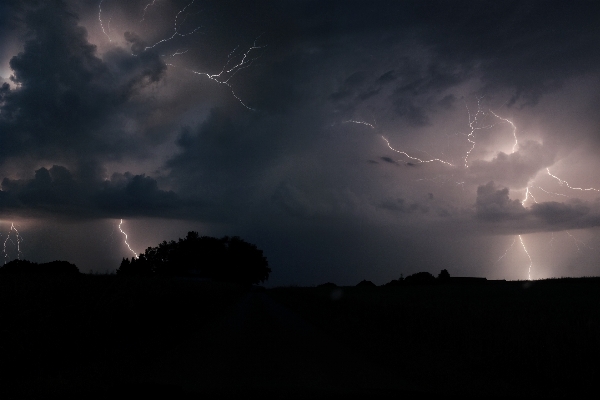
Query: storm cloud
[349, 140]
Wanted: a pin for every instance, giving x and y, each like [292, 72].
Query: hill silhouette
[16, 267]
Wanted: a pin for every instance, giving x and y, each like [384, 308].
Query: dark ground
[102, 336]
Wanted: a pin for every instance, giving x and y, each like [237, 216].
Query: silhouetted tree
[420, 277]
[49, 268]
[396, 282]
[225, 259]
[366, 284]
[444, 275]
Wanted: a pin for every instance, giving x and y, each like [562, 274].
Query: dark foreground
[106, 336]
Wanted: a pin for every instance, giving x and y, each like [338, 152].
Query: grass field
[96, 335]
[512, 338]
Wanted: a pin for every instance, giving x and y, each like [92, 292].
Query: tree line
[226, 259]
[28, 267]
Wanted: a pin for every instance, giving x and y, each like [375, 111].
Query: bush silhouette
[225, 259]
[15, 267]
[366, 284]
[444, 275]
[420, 277]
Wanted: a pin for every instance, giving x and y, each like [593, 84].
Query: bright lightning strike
[514, 148]
[415, 158]
[128, 246]
[473, 125]
[16, 242]
[527, 195]
[565, 183]
[526, 252]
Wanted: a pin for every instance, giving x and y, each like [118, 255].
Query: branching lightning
[229, 71]
[577, 242]
[473, 125]
[176, 32]
[127, 244]
[527, 195]
[16, 242]
[514, 148]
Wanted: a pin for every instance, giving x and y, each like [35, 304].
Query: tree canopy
[420, 278]
[225, 259]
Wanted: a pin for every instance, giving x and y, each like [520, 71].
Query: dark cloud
[400, 205]
[65, 93]
[571, 215]
[515, 170]
[291, 174]
[56, 191]
[493, 204]
[388, 160]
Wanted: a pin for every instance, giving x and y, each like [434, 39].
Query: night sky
[349, 140]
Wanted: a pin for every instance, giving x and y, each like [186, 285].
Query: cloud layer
[131, 119]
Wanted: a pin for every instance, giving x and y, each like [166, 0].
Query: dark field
[101, 336]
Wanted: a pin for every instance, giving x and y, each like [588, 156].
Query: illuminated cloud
[142, 127]
[515, 170]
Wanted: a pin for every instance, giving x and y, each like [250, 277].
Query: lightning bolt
[177, 53]
[415, 158]
[574, 241]
[506, 252]
[146, 9]
[476, 123]
[176, 32]
[577, 242]
[353, 121]
[127, 244]
[513, 127]
[551, 193]
[527, 195]
[229, 71]
[473, 120]
[18, 239]
[526, 252]
[100, 19]
[565, 183]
